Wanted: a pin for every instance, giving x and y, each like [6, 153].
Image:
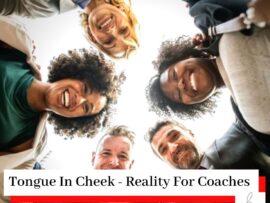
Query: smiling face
[110, 28]
[188, 81]
[114, 152]
[73, 98]
[176, 146]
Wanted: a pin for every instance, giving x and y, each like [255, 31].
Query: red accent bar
[126, 199]
[262, 184]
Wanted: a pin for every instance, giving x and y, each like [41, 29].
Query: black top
[208, 13]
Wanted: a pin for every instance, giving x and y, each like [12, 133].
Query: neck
[36, 95]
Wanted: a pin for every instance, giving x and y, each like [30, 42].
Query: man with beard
[176, 145]
[114, 149]
[236, 149]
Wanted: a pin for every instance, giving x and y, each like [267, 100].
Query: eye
[174, 74]
[87, 108]
[109, 40]
[173, 136]
[123, 157]
[105, 153]
[124, 30]
[86, 89]
[163, 149]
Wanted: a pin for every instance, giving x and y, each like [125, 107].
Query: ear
[131, 164]
[93, 158]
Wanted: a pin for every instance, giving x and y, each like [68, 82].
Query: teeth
[66, 98]
[192, 82]
[105, 23]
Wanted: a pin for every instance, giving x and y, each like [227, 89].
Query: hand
[199, 40]
[259, 12]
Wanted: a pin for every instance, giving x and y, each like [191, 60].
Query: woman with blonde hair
[110, 25]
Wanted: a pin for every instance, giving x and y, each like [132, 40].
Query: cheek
[187, 99]
[206, 81]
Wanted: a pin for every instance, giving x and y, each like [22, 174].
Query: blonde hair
[132, 42]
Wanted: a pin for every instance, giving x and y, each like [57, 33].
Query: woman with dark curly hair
[79, 95]
[187, 82]
[84, 101]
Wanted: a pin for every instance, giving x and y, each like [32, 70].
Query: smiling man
[114, 149]
[176, 145]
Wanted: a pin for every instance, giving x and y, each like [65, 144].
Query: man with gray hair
[114, 149]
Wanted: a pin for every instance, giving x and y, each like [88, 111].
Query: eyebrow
[160, 148]
[105, 150]
[90, 109]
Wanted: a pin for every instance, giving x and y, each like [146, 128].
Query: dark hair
[152, 131]
[170, 53]
[90, 67]
[160, 124]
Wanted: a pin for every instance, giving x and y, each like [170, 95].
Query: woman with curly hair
[110, 25]
[81, 90]
[79, 95]
[187, 82]
[189, 79]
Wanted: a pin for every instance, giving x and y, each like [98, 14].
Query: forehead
[115, 142]
[161, 134]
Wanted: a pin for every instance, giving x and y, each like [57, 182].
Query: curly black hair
[90, 67]
[170, 53]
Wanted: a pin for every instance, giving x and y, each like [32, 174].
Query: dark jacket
[240, 148]
[208, 13]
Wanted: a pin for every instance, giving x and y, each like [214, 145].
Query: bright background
[159, 20]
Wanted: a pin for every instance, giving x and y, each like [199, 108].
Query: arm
[37, 8]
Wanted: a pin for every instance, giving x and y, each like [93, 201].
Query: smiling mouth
[105, 23]
[65, 99]
[193, 82]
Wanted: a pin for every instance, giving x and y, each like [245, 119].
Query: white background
[159, 20]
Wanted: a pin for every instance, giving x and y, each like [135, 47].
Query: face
[176, 146]
[110, 28]
[73, 98]
[114, 152]
[188, 81]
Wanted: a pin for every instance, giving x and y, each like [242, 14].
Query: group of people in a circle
[83, 86]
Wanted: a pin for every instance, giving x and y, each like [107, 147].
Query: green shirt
[18, 121]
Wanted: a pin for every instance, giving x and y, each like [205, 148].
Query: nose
[111, 30]
[81, 100]
[180, 84]
[114, 161]
[172, 147]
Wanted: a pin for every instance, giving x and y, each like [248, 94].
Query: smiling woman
[83, 87]
[111, 26]
[187, 81]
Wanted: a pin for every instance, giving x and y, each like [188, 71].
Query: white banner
[243, 184]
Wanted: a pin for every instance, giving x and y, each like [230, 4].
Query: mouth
[105, 23]
[186, 156]
[65, 99]
[193, 82]
[190, 84]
